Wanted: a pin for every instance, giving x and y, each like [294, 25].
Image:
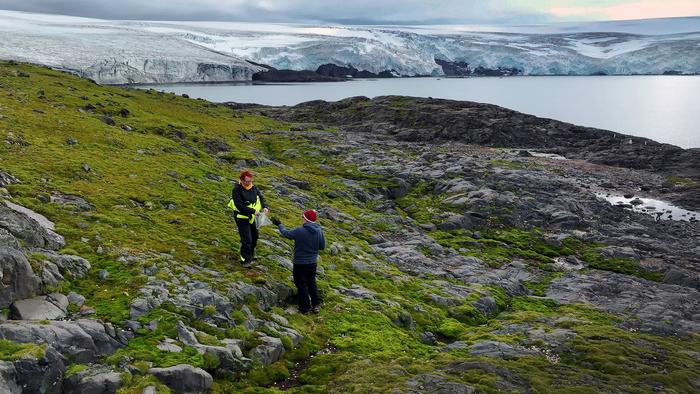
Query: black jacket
[242, 197]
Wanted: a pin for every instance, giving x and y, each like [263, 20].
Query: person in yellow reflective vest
[248, 203]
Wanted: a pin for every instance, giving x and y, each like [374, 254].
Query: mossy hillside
[375, 350]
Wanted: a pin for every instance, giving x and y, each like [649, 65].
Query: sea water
[661, 108]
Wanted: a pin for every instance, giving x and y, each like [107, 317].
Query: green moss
[206, 339]
[509, 164]
[618, 264]
[544, 305]
[268, 374]
[467, 314]
[680, 181]
[75, 368]
[12, 351]
[136, 385]
[450, 328]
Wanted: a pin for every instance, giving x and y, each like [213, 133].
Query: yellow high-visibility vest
[257, 205]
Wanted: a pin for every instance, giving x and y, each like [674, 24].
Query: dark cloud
[299, 11]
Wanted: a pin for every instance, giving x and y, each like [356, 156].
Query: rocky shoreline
[427, 119]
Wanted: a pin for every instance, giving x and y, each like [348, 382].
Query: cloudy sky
[365, 11]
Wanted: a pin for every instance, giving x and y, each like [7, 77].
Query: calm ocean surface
[662, 108]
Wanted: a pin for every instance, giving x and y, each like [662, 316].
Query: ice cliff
[157, 52]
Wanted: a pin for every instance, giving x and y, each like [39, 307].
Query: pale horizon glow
[641, 9]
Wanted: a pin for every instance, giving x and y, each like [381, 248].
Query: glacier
[122, 52]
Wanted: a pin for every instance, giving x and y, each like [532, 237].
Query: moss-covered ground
[159, 186]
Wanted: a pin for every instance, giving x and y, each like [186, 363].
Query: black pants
[305, 281]
[249, 238]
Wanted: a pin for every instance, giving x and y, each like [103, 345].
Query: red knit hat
[310, 215]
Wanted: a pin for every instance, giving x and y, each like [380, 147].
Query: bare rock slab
[184, 378]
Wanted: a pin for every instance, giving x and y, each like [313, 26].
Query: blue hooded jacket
[308, 240]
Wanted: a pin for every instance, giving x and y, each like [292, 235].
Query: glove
[275, 221]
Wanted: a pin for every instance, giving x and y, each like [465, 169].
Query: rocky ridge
[427, 119]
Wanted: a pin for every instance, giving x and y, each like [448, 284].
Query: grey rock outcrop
[184, 378]
[97, 379]
[7, 179]
[34, 229]
[273, 293]
[662, 309]
[436, 384]
[499, 350]
[38, 308]
[17, 280]
[29, 375]
[71, 201]
[269, 351]
[82, 341]
[7, 240]
[229, 358]
[8, 378]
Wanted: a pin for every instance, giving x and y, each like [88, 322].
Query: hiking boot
[316, 310]
[246, 264]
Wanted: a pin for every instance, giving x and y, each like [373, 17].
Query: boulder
[186, 335]
[358, 292]
[457, 345]
[436, 384]
[8, 240]
[38, 308]
[26, 225]
[269, 351]
[169, 347]
[273, 293]
[486, 305]
[680, 277]
[98, 379]
[468, 221]
[75, 298]
[401, 188]
[41, 375]
[8, 378]
[204, 297]
[230, 357]
[428, 338]
[7, 179]
[227, 359]
[71, 201]
[17, 280]
[82, 341]
[50, 274]
[184, 378]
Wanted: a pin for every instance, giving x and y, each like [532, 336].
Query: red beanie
[310, 215]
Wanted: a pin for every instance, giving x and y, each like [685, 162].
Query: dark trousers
[305, 281]
[249, 238]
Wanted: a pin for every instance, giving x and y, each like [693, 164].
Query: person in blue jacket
[308, 240]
